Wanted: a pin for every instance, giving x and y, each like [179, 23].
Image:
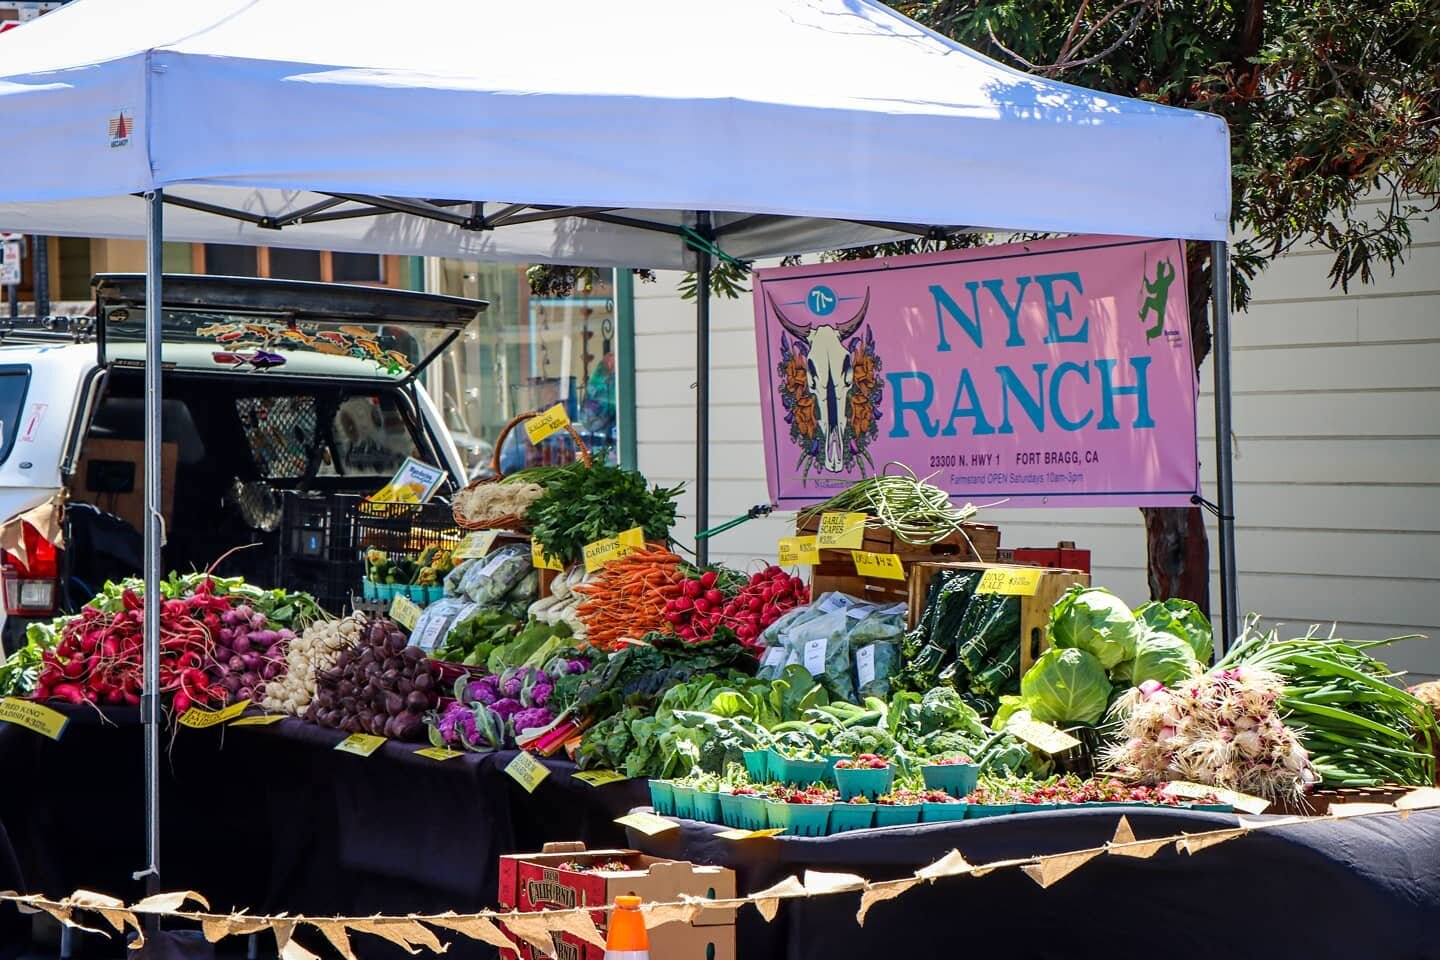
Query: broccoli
[858, 740]
[942, 709]
[944, 743]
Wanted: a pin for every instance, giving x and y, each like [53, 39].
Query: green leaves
[585, 504]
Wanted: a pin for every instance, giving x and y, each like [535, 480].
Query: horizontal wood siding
[1337, 446]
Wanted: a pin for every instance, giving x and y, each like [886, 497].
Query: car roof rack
[61, 329]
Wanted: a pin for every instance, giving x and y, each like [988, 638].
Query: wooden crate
[836, 569]
[1034, 610]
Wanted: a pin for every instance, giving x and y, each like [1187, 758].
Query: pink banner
[1054, 373]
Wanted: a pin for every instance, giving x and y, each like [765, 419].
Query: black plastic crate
[324, 538]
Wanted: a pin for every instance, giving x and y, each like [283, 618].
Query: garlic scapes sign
[1055, 373]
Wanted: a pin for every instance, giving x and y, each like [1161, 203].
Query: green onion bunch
[917, 512]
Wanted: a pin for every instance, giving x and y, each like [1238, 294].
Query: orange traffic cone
[627, 939]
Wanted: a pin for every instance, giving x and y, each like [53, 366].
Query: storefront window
[526, 353]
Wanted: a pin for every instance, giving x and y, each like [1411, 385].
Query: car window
[14, 381]
[372, 436]
[282, 433]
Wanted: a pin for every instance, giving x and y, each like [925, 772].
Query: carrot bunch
[628, 599]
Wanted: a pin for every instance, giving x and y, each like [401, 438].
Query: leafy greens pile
[584, 504]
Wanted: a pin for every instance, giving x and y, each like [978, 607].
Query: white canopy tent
[636, 133]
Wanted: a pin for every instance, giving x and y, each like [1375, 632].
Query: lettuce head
[1066, 686]
[1096, 621]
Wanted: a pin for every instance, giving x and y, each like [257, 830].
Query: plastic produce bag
[875, 640]
[436, 620]
[454, 577]
[491, 578]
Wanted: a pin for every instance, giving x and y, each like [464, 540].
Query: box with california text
[566, 875]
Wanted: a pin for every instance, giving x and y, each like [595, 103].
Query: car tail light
[32, 588]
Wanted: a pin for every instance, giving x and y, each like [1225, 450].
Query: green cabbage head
[1163, 657]
[1066, 686]
[1183, 619]
[1096, 621]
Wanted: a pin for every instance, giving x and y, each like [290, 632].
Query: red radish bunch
[99, 656]
[702, 608]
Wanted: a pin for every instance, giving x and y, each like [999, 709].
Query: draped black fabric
[1367, 887]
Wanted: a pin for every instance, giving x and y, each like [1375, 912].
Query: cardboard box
[536, 881]
[1034, 609]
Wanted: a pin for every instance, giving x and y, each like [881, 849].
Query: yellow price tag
[886, 566]
[404, 612]
[1042, 736]
[601, 552]
[1011, 581]
[803, 551]
[360, 744]
[542, 561]
[439, 753]
[749, 834]
[542, 425]
[475, 545]
[598, 778]
[263, 720]
[842, 531]
[33, 716]
[647, 823]
[200, 719]
[1243, 802]
[527, 771]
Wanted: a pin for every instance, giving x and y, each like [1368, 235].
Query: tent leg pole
[1224, 467]
[702, 391]
[154, 535]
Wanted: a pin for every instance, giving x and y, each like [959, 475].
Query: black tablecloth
[1367, 887]
[271, 818]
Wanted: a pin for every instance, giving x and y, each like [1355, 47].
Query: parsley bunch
[584, 505]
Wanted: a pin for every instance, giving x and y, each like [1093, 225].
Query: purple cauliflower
[484, 691]
[506, 708]
[540, 694]
[455, 718]
[531, 717]
[577, 666]
[511, 685]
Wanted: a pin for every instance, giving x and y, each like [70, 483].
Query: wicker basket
[510, 521]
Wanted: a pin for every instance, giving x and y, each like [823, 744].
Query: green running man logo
[1158, 289]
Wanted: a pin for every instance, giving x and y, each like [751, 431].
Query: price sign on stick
[540, 560]
[886, 566]
[598, 778]
[1042, 736]
[1010, 582]
[404, 612]
[647, 823]
[799, 551]
[475, 545]
[539, 427]
[262, 720]
[360, 744]
[527, 771]
[439, 753]
[842, 531]
[200, 719]
[33, 716]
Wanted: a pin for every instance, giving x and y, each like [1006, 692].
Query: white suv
[270, 387]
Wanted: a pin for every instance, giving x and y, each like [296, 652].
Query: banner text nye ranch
[1053, 373]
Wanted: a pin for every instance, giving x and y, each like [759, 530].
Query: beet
[389, 678]
[251, 660]
[223, 654]
[376, 633]
[344, 659]
[393, 663]
[424, 682]
[404, 685]
[236, 664]
[396, 643]
[417, 702]
[408, 726]
[241, 642]
[376, 725]
[413, 654]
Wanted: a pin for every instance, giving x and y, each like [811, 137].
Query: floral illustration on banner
[830, 386]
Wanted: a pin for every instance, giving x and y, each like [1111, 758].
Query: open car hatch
[243, 325]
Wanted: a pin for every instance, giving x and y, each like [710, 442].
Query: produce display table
[1367, 887]
[272, 818]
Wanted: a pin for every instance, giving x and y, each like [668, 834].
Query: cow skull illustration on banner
[831, 388]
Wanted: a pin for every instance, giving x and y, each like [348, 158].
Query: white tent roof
[840, 113]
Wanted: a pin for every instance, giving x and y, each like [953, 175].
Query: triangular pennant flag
[1123, 833]
[405, 933]
[293, 951]
[659, 914]
[1194, 843]
[578, 924]
[169, 902]
[235, 925]
[1051, 870]
[1140, 849]
[476, 928]
[950, 865]
[876, 892]
[339, 937]
[534, 929]
[282, 929]
[818, 883]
